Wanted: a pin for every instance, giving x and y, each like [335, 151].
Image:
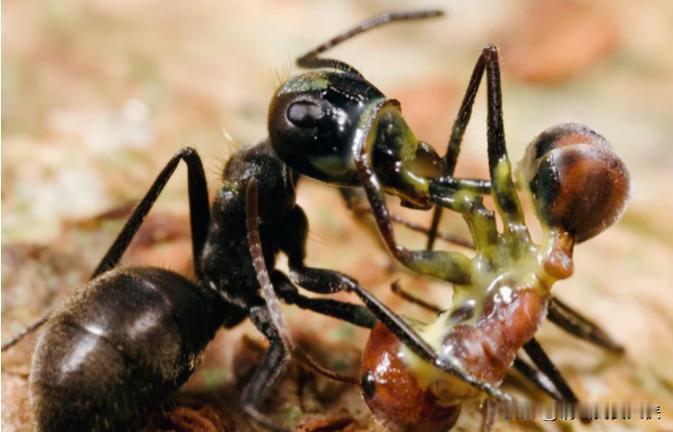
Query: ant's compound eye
[305, 114]
[578, 181]
[368, 383]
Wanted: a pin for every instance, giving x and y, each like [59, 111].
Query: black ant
[337, 127]
[133, 335]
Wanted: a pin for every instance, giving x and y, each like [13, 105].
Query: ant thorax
[499, 310]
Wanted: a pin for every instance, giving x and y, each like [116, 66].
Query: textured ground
[97, 95]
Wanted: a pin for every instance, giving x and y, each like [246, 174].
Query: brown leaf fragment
[338, 421]
[201, 419]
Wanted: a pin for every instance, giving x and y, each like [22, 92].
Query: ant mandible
[335, 126]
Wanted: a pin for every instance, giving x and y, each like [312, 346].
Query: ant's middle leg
[353, 313]
[199, 214]
[271, 369]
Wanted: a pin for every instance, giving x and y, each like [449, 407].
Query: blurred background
[97, 95]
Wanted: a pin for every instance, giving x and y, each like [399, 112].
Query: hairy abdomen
[119, 346]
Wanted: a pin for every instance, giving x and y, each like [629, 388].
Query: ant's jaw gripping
[403, 164]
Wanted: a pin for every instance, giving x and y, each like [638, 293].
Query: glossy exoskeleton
[131, 336]
[334, 125]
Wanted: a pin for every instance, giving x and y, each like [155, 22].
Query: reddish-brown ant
[337, 127]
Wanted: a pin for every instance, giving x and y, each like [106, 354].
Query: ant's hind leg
[577, 325]
[199, 214]
[198, 209]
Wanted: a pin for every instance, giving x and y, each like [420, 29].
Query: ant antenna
[310, 60]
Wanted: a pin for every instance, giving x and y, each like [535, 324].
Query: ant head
[579, 184]
[313, 120]
[392, 391]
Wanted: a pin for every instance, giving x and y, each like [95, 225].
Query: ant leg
[359, 209]
[504, 192]
[456, 139]
[502, 184]
[198, 209]
[323, 281]
[273, 366]
[273, 314]
[199, 214]
[540, 379]
[559, 312]
[577, 325]
[450, 266]
[536, 377]
[310, 60]
[349, 312]
[403, 294]
[547, 367]
[25, 332]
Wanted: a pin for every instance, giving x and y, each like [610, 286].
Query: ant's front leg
[324, 281]
[271, 369]
[450, 266]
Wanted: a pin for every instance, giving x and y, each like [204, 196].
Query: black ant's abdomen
[121, 345]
